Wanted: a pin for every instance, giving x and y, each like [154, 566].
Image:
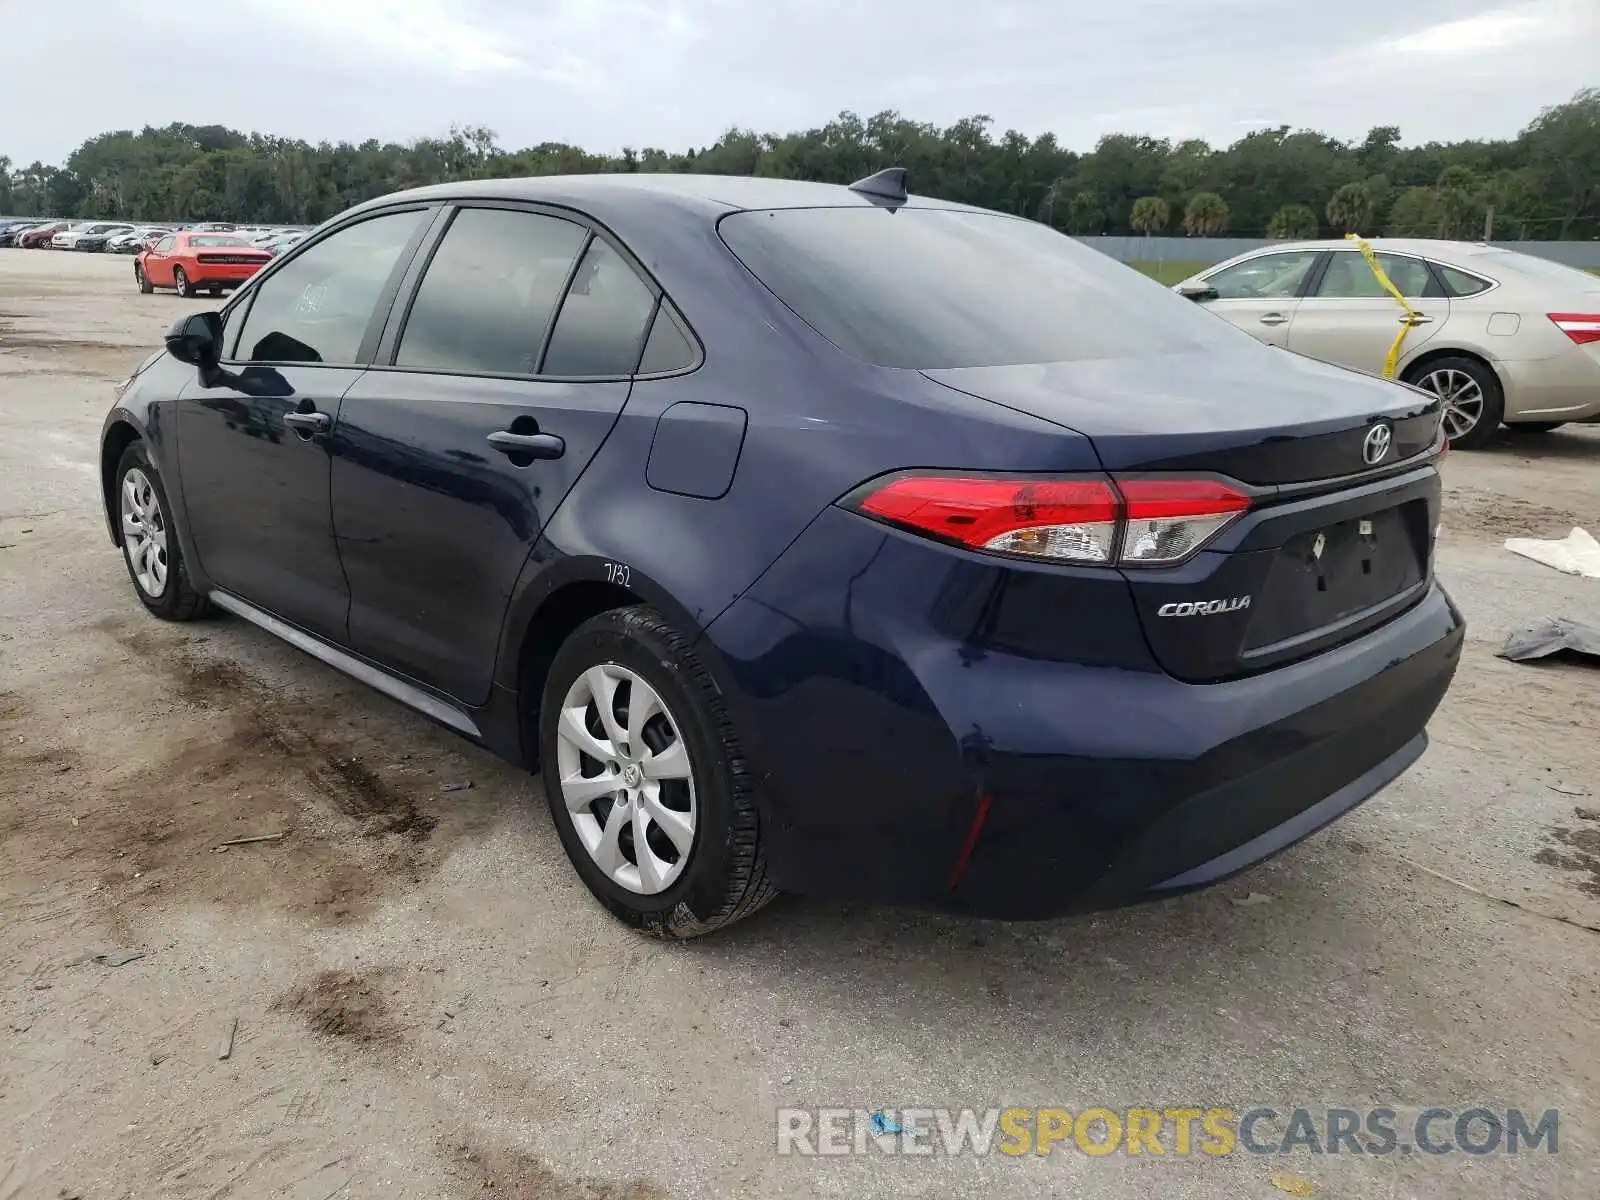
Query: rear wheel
[1473, 400]
[149, 543]
[646, 779]
[1535, 426]
[141, 280]
[180, 281]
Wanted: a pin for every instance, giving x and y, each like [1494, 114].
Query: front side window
[316, 309]
[1268, 277]
[1348, 277]
[489, 293]
[164, 246]
[603, 319]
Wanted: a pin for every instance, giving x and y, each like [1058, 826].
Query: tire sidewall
[702, 887]
[136, 456]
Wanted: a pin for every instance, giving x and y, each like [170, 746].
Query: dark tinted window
[317, 307]
[489, 293]
[932, 288]
[602, 323]
[1459, 283]
[669, 347]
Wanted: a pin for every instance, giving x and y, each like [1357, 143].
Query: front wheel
[180, 281]
[149, 543]
[646, 779]
[142, 280]
[1473, 399]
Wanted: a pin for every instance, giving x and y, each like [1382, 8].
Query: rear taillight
[1582, 328]
[1136, 522]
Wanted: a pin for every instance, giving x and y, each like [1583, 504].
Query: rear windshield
[1540, 268]
[932, 288]
[216, 239]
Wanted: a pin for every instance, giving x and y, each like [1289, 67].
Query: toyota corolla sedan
[1501, 337]
[806, 537]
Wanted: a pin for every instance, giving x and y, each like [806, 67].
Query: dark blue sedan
[807, 537]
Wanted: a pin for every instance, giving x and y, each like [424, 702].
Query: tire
[159, 576]
[181, 284]
[139, 277]
[1534, 426]
[722, 877]
[1477, 395]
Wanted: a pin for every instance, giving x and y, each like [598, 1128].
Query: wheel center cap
[632, 775]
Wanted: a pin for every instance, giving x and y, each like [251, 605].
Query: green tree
[1206, 215]
[1562, 147]
[1350, 208]
[1417, 213]
[1294, 221]
[1150, 215]
[7, 201]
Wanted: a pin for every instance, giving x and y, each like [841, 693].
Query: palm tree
[1350, 208]
[1150, 214]
[1295, 221]
[1207, 214]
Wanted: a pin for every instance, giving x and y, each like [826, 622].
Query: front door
[1260, 295]
[449, 460]
[1351, 320]
[158, 262]
[253, 449]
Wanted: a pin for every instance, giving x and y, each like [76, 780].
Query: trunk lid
[1259, 415]
[1332, 546]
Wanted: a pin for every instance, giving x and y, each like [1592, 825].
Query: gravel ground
[422, 1000]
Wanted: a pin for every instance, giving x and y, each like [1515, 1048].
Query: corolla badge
[1203, 608]
[1376, 447]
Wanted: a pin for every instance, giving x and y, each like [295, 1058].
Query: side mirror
[1197, 290]
[196, 339]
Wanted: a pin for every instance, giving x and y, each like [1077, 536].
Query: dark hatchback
[807, 537]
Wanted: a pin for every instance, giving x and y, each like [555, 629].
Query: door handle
[530, 445]
[1274, 319]
[1416, 319]
[308, 424]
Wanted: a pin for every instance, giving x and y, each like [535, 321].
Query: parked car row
[125, 237]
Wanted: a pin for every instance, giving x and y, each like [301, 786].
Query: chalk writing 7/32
[619, 573]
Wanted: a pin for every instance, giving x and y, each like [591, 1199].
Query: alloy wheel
[626, 778]
[144, 532]
[1463, 399]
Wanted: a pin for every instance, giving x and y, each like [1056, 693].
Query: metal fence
[1213, 250]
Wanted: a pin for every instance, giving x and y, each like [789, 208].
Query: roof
[713, 194]
[1418, 246]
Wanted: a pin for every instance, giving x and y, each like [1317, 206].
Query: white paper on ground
[1576, 554]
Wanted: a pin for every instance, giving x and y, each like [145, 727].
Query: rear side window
[603, 320]
[929, 288]
[488, 295]
[1348, 277]
[668, 347]
[316, 309]
[1459, 283]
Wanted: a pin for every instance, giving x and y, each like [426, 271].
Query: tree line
[1543, 183]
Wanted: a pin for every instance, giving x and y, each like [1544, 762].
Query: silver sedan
[1505, 338]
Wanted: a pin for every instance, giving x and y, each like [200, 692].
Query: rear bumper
[906, 757]
[207, 273]
[1565, 387]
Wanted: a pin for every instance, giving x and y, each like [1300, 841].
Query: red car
[194, 262]
[39, 236]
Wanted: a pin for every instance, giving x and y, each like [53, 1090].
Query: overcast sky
[675, 73]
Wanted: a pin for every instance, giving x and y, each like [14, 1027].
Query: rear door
[1261, 294]
[492, 389]
[1350, 319]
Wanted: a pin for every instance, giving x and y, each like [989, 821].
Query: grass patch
[1172, 271]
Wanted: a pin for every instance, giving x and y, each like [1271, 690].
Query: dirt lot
[424, 1002]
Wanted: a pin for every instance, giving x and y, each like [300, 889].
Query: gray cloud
[671, 73]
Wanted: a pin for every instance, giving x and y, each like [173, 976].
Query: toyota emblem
[1376, 447]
